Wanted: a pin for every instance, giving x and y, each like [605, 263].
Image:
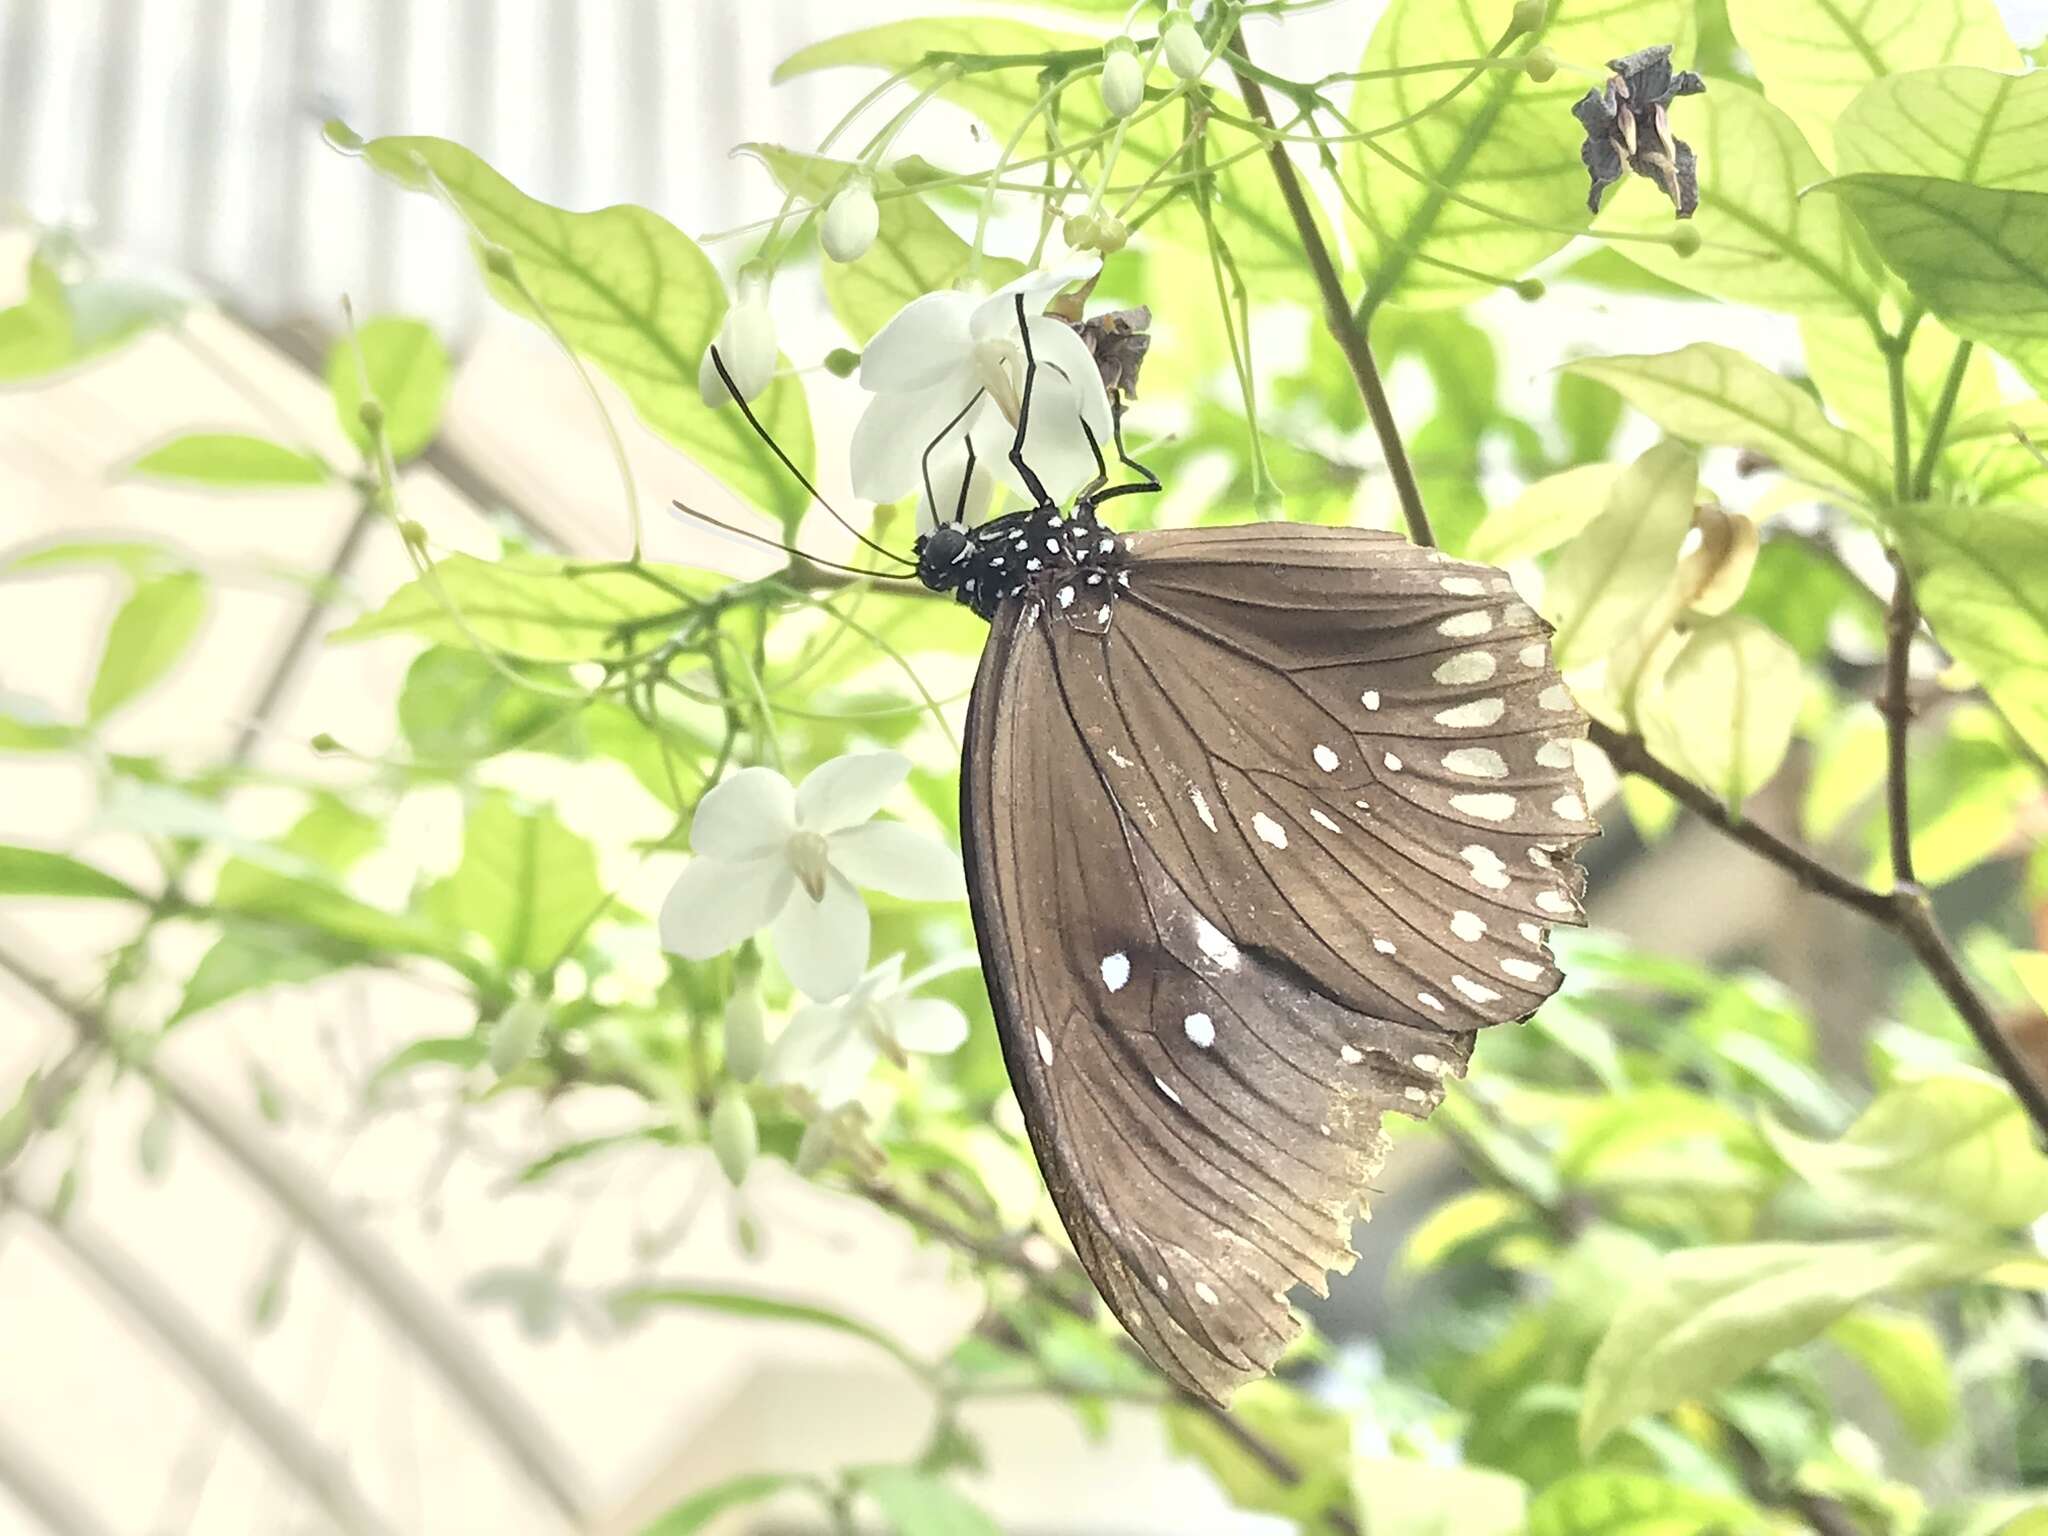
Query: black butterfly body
[1261, 825]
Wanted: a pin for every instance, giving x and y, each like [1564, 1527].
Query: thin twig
[1823, 1515]
[1901, 620]
[1344, 327]
[45, 1495]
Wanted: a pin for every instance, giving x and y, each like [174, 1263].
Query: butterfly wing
[1248, 869]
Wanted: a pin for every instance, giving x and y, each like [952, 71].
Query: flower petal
[1059, 348]
[887, 452]
[823, 945]
[901, 861]
[840, 1077]
[927, 1024]
[811, 1039]
[848, 790]
[997, 314]
[1055, 448]
[718, 902]
[748, 816]
[922, 342]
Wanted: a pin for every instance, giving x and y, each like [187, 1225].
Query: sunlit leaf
[456, 708]
[527, 885]
[633, 294]
[1489, 181]
[636, 1301]
[697, 1511]
[148, 637]
[1705, 1317]
[917, 1504]
[1726, 708]
[40, 872]
[1312, 1436]
[1954, 1151]
[1908, 1360]
[1813, 56]
[238, 965]
[1612, 1503]
[1546, 514]
[228, 460]
[1974, 573]
[1609, 579]
[1708, 393]
[407, 371]
[1761, 242]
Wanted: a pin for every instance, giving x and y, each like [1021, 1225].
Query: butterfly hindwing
[1222, 936]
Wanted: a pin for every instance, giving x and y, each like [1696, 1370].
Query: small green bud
[1539, 63]
[1181, 41]
[842, 363]
[851, 221]
[735, 1136]
[1080, 231]
[1685, 240]
[342, 137]
[1123, 78]
[1111, 235]
[1529, 16]
[324, 743]
[746, 1038]
[517, 1031]
[371, 414]
[1530, 289]
[412, 533]
[500, 264]
[915, 171]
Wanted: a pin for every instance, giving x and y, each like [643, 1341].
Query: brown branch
[1901, 619]
[1344, 327]
[1823, 1515]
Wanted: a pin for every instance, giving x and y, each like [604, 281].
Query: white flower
[788, 859]
[1179, 39]
[746, 345]
[831, 1047]
[850, 222]
[953, 363]
[1123, 78]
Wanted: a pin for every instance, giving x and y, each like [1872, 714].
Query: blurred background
[433, 1353]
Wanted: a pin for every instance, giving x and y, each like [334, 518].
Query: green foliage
[148, 636]
[402, 366]
[1605, 583]
[39, 872]
[1726, 707]
[225, 460]
[527, 886]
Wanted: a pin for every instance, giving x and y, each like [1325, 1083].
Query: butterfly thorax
[1067, 560]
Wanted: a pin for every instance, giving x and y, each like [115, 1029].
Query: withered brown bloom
[1118, 342]
[1628, 126]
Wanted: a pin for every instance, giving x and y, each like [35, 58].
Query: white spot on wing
[1424, 1062]
[1064, 597]
[1463, 626]
[1487, 868]
[1469, 926]
[1555, 697]
[1201, 1029]
[1473, 990]
[1164, 1087]
[1202, 808]
[1269, 830]
[1494, 807]
[1555, 754]
[1531, 932]
[1323, 821]
[1044, 1046]
[1464, 586]
[1473, 715]
[1570, 808]
[1325, 758]
[1370, 698]
[1118, 758]
[1465, 667]
[1215, 944]
[1350, 1055]
[1550, 901]
[1522, 970]
[1116, 970]
[1532, 655]
[1430, 1000]
[1384, 946]
[1203, 1290]
[1417, 1095]
[1539, 858]
[1393, 763]
[1477, 763]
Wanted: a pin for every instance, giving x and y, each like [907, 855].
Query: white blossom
[789, 859]
[953, 363]
[830, 1048]
[1181, 41]
[1123, 79]
[746, 345]
[850, 221]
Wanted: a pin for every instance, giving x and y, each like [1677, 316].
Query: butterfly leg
[1031, 481]
[966, 480]
[1137, 487]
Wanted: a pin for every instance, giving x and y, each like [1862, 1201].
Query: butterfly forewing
[1249, 865]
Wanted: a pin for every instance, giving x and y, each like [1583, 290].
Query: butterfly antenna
[801, 478]
[931, 498]
[752, 537]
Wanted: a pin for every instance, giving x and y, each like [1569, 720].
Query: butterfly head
[944, 557]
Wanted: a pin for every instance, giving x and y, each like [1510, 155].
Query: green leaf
[1726, 708]
[634, 295]
[1608, 579]
[1312, 1436]
[1843, 360]
[1965, 124]
[456, 708]
[1610, 1503]
[1814, 56]
[148, 636]
[1975, 574]
[751, 1305]
[917, 1505]
[1462, 186]
[229, 460]
[1662, 1137]
[1761, 242]
[1475, 1215]
[407, 370]
[1707, 393]
[1972, 255]
[707, 1504]
[39, 872]
[1908, 1360]
[237, 965]
[530, 607]
[915, 251]
[1546, 514]
[1949, 1152]
[526, 886]
[1705, 1317]
[35, 335]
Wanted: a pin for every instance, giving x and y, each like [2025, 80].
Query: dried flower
[1118, 342]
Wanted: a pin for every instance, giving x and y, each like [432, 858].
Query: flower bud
[1530, 289]
[1111, 235]
[516, 1033]
[1685, 240]
[1123, 78]
[1181, 41]
[850, 222]
[735, 1137]
[746, 1040]
[842, 363]
[1529, 16]
[413, 533]
[746, 345]
[1079, 231]
[1539, 63]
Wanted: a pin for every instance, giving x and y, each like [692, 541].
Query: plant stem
[1901, 619]
[1937, 424]
[1344, 326]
